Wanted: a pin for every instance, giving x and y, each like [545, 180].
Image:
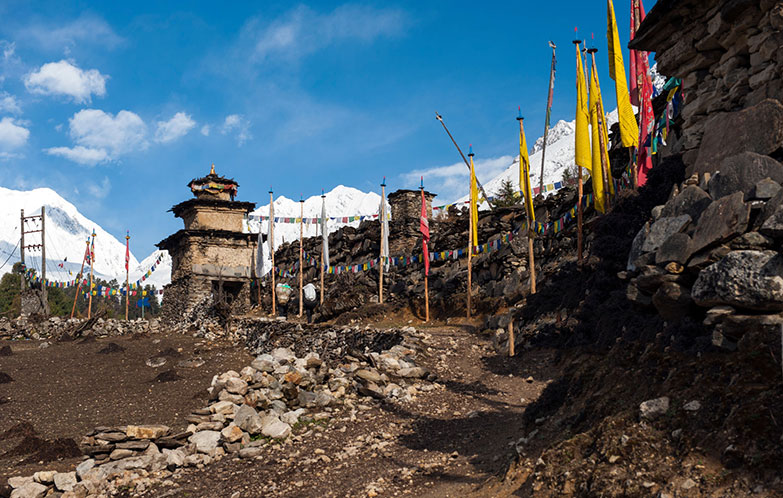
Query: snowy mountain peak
[67, 231]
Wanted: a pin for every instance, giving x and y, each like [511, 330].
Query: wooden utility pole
[272, 249]
[528, 213]
[301, 253]
[43, 256]
[426, 261]
[92, 265]
[79, 277]
[127, 282]
[382, 218]
[21, 250]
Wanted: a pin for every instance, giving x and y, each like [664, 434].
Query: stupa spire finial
[212, 170]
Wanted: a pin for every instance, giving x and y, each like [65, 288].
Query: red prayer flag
[641, 91]
[127, 253]
[425, 233]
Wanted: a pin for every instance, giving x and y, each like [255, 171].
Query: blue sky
[117, 105]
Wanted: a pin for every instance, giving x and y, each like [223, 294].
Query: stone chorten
[213, 255]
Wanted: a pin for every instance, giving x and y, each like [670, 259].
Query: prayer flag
[473, 204]
[629, 130]
[127, 250]
[641, 95]
[596, 173]
[425, 232]
[524, 173]
[582, 156]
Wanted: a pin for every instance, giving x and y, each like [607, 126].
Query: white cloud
[234, 123]
[9, 103]
[100, 190]
[85, 29]
[176, 127]
[79, 154]
[205, 130]
[101, 137]
[303, 31]
[63, 78]
[12, 134]
[453, 181]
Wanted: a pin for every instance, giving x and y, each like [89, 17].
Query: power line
[10, 255]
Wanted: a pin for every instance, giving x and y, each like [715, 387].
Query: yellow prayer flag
[582, 155]
[473, 204]
[524, 172]
[629, 130]
[597, 174]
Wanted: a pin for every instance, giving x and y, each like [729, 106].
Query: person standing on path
[283, 292]
[310, 300]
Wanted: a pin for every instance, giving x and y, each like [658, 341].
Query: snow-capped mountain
[162, 274]
[559, 157]
[340, 201]
[67, 231]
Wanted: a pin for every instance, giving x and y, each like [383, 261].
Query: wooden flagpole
[272, 249]
[580, 192]
[127, 283]
[470, 238]
[382, 218]
[323, 200]
[79, 276]
[601, 124]
[548, 112]
[530, 230]
[92, 264]
[301, 253]
[426, 277]
[511, 338]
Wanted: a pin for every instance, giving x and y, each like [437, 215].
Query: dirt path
[446, 442]
[59, 393]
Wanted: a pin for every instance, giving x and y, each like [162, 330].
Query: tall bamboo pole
[79, 277]
[530, 230]
[599, 105]
[323, 234]
[470, 239]
[92, 264]
[272, 249]
[127, 282]
[301, 253]
[382, 218]
[548, 113]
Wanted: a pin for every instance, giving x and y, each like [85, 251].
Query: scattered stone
[654, 408]
[275, 428]
[65, 481]
[29, 490]
[664, 228]
[672, 301]
[232, 433]
[742, 172]
[691, 201]
[44, 476]
[688, 484]
[765, 189]
[156, 362]
[146, 431]
[676, 248]
[205, 441]
[692, 406]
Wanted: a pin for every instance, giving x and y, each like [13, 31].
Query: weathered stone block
[743, 279]
[723, 219]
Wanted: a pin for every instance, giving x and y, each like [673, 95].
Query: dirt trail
[448, 441]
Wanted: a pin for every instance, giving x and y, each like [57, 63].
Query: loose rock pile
[278, 393]
[715, 245]
[25, 327]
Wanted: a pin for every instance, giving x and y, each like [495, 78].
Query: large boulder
[691, 201]
[757, 129]
[744, 279]
[722, 220]
[662, 229]
[742, 173]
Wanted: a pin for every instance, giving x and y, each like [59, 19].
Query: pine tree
[507, 195]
